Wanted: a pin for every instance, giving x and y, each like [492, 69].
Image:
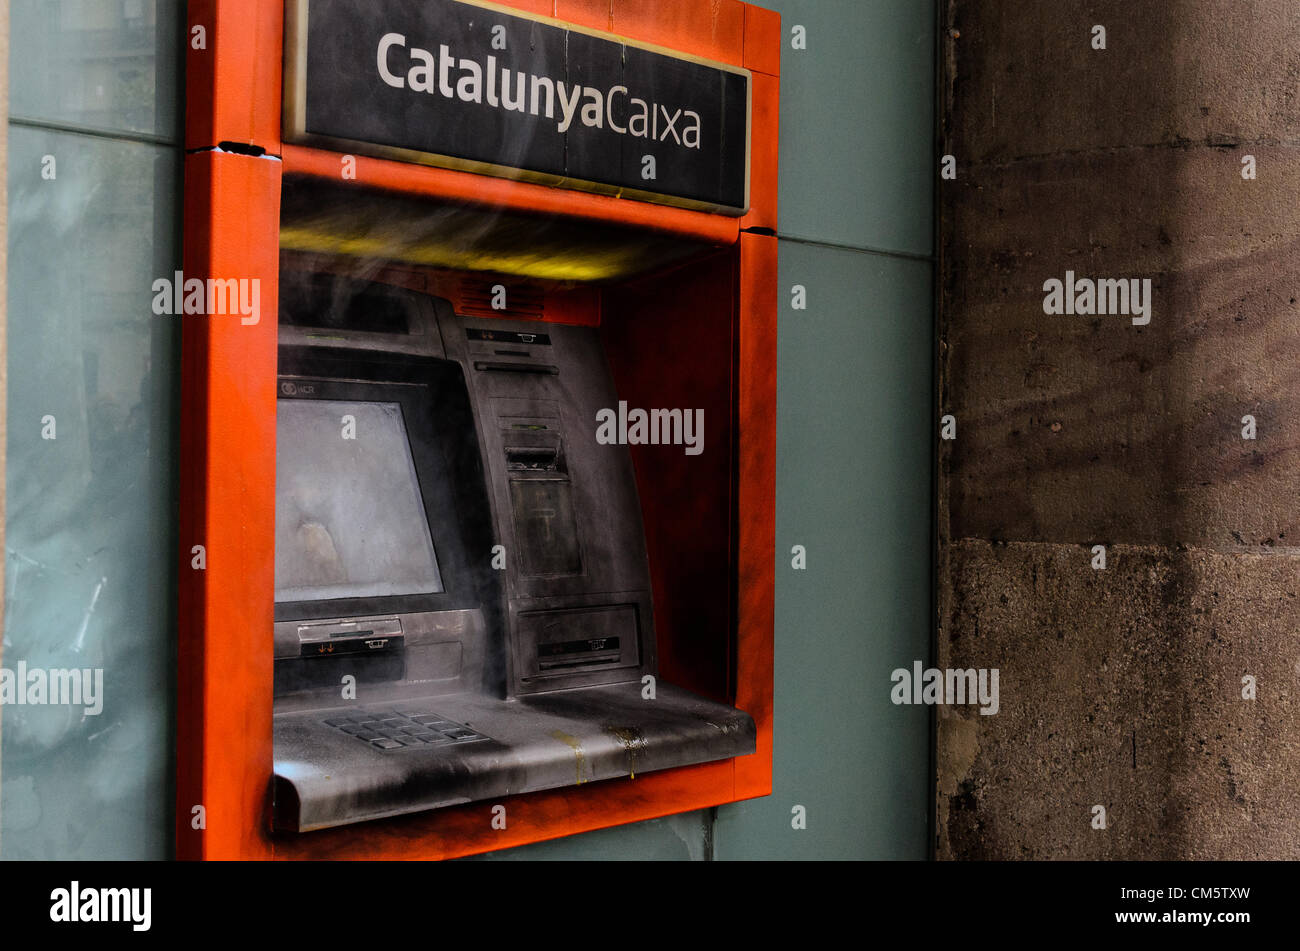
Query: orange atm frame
[234, 167]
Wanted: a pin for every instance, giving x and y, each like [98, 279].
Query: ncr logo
[103, 905]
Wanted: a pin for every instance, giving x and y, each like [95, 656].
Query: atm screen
[349, 516]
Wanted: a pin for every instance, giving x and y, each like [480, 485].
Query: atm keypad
[390, 730]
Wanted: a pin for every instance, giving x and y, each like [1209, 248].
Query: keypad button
[393, 730]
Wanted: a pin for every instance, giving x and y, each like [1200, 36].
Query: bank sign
[475, 87]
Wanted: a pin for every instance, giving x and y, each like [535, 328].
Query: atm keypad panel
[391, 730]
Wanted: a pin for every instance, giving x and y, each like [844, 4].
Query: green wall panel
[680, 838]
[90, 530]
[854, 440]
[857, 123]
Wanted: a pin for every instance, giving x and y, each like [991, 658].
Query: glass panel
[97, 63]
[91, 533]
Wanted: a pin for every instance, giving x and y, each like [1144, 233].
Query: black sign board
[477, 87]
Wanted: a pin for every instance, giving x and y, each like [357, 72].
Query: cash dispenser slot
[533, 459]
[507, 367]
[570, 640]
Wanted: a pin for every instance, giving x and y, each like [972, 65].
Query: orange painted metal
[670, 340]
[233, 79]
[544, 8]
[466, 830]
[593, 14]
[756, 504]
[764, 154]
[763, 40]
[762, 56]
[224, 704]
[228, 374]
[710, 30]
[489, 193]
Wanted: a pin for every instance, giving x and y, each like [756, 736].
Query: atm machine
[454, 576]
[452, 537]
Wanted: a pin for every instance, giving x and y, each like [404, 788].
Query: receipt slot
[482, 506]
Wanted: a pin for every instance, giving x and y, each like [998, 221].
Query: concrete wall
[1121, 687]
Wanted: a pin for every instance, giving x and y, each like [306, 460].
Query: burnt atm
[463, 603]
